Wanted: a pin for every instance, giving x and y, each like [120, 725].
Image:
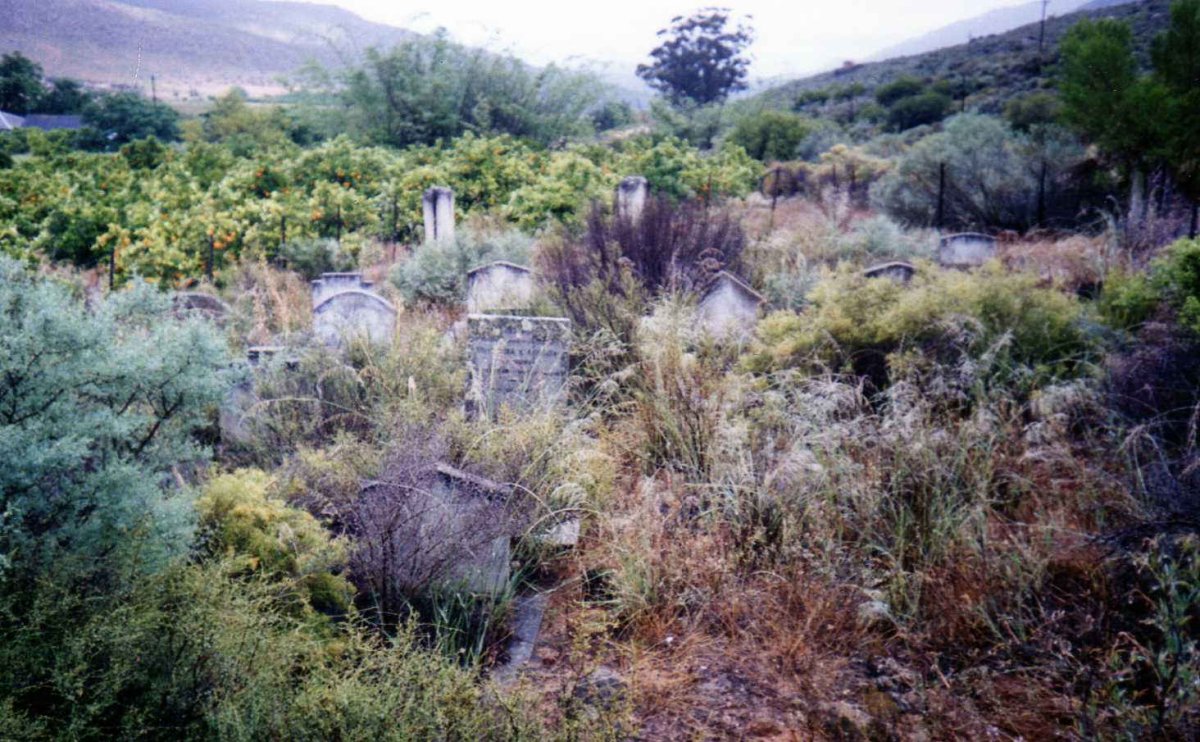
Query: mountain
[192, 47]
[998, 67]
[993, 22]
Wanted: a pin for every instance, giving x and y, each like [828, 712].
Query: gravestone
[898, 271]
[967, 250]
[729, 307]
[232, 415]
[331, 283]
[499, 286]
[519, 362]
[354, 314]
[438, 207]
[194, 303]
[632, 193]
[472, 508]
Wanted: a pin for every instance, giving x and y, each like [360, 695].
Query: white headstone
[632, 193]
[499, 286]
[354, 314]
[967, 250]
[438, 207]
[729, 307]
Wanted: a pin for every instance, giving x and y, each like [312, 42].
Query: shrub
[770, 135]
[898, 89]
[992, 176]
[918, 110]
[99, 406]
[857, 324]
[193, 654]
[437, 271]
[256, 533]
[313, 256]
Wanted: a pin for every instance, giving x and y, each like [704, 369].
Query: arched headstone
[898, 271]
[499, 286]
[354, 314]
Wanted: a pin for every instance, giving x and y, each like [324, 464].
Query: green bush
[1177, 275]
[918, 110]
[898, 89]
[193, 654]
[98, 408]
[857, 324]
[311, 257]
[770, 135]
[257, 533]
[437, 271]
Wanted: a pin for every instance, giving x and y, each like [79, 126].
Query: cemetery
[453, 397]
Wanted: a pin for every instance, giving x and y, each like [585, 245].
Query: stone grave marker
[331, 283]
[438, 207]
[967, 250]
[898, 271]
[520, 362]
[729, 306]
[499, 286]
[231, 417]
[194, 303]
[354, 314]
[631, 196]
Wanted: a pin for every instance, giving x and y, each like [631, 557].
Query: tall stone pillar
[438, 206]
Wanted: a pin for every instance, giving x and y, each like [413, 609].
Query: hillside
[192, 47]
[999, 67]
[992, 22]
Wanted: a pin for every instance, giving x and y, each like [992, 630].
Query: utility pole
[153, 89]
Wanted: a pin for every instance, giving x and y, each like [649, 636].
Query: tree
[65, 96]
[702, 59]
[1104, 97]
[20, 83]
[124, 117]
[1176, 56]
[900, 88]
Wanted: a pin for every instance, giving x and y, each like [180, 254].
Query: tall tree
[20, 83]
[1106, 98]
[701, 60]
[1176, 56]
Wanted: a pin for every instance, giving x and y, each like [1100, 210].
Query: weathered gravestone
[232, 416]
[354, 314]
[729, 306]
[897, 271]
[519, 362]
[194, 303]
[967, 250]
[331, 283]
[438, 207]
[631, 196]
[499, 286]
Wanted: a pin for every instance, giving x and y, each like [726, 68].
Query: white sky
[793, 36]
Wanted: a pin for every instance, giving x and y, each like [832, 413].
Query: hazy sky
[792, 37]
